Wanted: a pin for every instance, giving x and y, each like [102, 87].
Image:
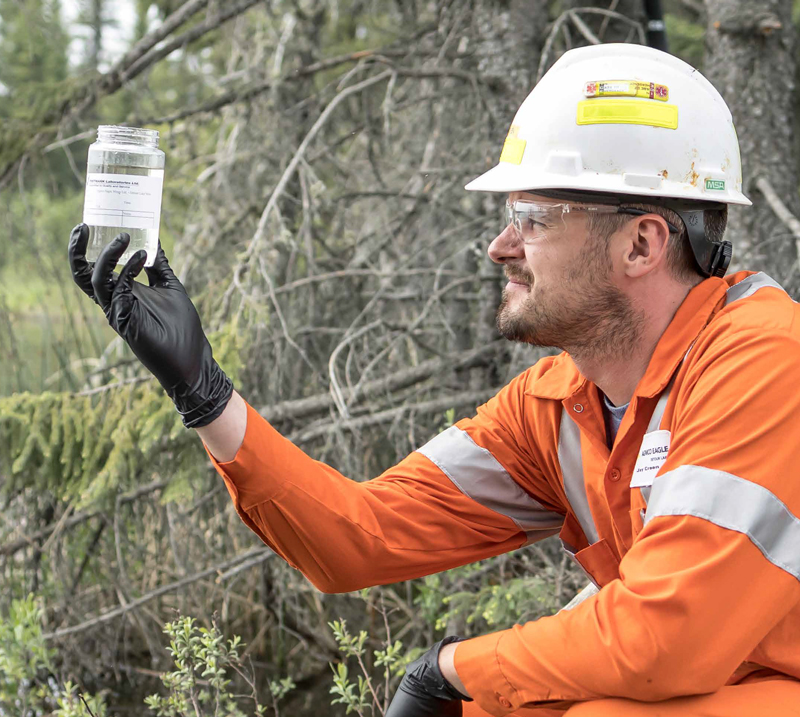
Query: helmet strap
[712, 257]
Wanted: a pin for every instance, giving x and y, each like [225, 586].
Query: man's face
[561, 290]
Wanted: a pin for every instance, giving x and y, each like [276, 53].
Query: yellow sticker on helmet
[626, 88]
[627, 112]
[513, 147]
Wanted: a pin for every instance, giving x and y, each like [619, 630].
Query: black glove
[424, 692]
[159, 323]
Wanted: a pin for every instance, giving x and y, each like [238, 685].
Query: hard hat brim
[507, 177]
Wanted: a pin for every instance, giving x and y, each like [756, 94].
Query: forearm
[223, 437]
[343, 534]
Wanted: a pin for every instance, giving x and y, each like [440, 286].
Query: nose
[506, 246]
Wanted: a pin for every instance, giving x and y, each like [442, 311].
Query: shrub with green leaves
[363, 696]
[199, 685]
[25, 659]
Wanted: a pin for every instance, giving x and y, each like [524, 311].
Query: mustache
[518, 274]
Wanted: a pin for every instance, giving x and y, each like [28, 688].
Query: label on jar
[130, 201]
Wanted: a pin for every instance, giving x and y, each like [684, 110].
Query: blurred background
[314, 208]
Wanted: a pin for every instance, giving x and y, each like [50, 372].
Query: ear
[646, 245]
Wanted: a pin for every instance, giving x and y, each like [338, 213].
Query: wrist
[224, 436]
[204, 401]
[448, 669]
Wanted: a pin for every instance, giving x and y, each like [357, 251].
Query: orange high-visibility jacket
[699, 561]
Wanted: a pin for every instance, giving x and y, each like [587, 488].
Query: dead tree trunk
[751, 59]
[510, 36]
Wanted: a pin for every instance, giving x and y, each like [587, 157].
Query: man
[661, 445]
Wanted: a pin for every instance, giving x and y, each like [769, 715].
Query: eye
[533, 220]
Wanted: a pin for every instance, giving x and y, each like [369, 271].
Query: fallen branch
[157, 53]
[304, 407]
[30, 540]
[781, 210]
[264, 553]
[466, 398]
[143, 55]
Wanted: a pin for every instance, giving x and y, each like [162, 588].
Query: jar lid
[118, 134]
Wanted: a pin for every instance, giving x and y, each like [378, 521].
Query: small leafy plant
[363, 696]
[199, 684]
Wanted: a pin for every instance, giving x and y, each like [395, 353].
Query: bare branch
[584, 29]
[143, 55]
[780, 209]
[304, 407]
[212, 22]
[163, 590]
[76, 519]
[466, 398]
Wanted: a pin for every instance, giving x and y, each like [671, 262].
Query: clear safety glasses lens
[532, 220]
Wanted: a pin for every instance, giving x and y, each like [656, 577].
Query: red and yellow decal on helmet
[626, 88]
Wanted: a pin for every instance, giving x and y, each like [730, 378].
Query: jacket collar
[562, 379]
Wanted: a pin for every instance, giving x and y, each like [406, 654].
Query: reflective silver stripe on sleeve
[569, 456]
[749, 286]
[479, 475]
[734, 503]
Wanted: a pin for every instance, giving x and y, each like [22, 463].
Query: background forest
[314, 209]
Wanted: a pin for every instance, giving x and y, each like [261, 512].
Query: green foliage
[361, 695]
[83, 448]
[199, 685]
[355, 696]
[33, 44]
[487, 604]
[501, 606]
[24, 658]
[73, 703]
[686, 39]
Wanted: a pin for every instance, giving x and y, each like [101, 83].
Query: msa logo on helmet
[716, 184]
[626, 88]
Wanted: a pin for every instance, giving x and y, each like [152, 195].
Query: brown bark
[751, 59]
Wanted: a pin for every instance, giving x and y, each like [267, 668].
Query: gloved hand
[424, 692]
[159, 323]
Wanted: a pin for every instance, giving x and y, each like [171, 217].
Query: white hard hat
[622, 119]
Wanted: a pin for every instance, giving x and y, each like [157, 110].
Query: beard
[585, 315]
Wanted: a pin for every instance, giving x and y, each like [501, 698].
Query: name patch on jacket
[652, 455]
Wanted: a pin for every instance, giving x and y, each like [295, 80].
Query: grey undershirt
[613, 417]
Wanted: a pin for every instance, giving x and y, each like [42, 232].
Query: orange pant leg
[767, 698]
[472, 710]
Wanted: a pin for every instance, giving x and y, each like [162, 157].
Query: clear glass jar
[124, 184]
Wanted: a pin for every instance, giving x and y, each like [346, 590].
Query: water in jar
[125, 203]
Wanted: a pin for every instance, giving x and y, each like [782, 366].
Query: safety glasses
[533, 219]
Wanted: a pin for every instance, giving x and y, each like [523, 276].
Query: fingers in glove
[103, 279]
[81, 269]
[123, 301]
[161, 274]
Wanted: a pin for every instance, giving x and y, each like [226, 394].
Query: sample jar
[124, 182]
